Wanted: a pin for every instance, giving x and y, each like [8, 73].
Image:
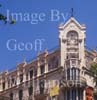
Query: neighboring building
[62, 74]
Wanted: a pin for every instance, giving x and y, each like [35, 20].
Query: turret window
[72, 38]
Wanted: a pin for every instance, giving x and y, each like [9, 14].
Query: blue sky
[84, 12]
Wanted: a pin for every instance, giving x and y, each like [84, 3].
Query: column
[1, 84]
[24, 75]
[38, 68]
[18, 79]
[66, 73]
[46, 66]
[84, 95]
[82, 53]
[6, 83]
[70, 63]
[63, 52]
[70, 74]
[28, 75]
[79, 49]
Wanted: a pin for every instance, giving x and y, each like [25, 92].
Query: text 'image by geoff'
[48, 50]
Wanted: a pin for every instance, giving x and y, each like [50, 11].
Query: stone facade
[62, 74]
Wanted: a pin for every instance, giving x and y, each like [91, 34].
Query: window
[31, 74]
[21, 78]
[41, 86]
[20, 94]
[11, 96]
[42, 69]
[72, 55]
[72, 38]
[30, 89]
[8, 83]
[73, 73]
[27, 76]
[74, 94]
[3, 85]
[68, 94]
[13, 81]
[68, 74]
[79, 94]
[35, 72]
[50, 65]
[53, 63]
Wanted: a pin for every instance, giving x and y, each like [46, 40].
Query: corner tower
[72, 43]
[72, 52]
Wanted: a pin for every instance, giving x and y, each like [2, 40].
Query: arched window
[72, 35]
[72, 38]
[53, 63]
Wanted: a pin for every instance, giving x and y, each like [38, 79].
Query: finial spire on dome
[72, 12]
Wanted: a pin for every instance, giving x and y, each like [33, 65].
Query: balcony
[72, 62]
[79, 82]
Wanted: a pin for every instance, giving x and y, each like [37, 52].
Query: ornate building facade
[62, 74]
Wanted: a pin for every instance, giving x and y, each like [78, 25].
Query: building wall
[49, 70]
